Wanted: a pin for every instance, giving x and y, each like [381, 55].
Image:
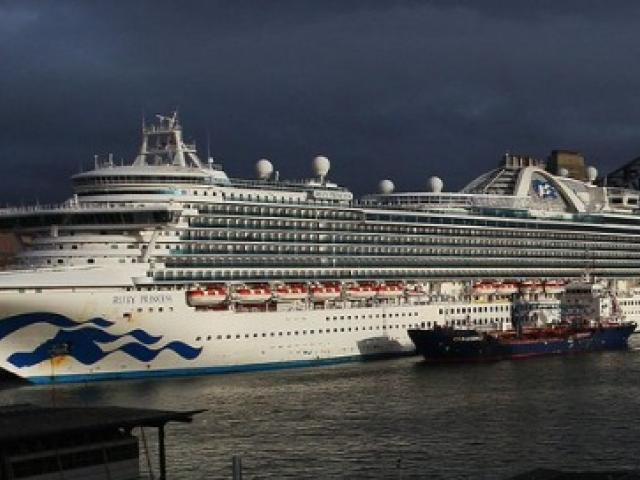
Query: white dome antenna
[435, 184]
[563, 172]
[592, 174]
[386, 187]
[321, 166]
[264, 169]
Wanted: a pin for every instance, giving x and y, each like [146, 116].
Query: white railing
[421, 200]
[71, 205]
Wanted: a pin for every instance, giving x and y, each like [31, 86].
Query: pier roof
[24, 421]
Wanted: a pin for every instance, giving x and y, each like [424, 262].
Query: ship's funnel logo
[88, 342]
[544, 189]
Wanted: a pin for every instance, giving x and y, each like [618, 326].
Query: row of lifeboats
[256, 294]
[510, 287]
[320, 292]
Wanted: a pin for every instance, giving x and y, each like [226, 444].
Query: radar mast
[162, 144]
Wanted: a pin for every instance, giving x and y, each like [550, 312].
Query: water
[391, 419]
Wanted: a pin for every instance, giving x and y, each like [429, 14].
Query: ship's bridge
[164, 161]
[110, 179]
[166, 165]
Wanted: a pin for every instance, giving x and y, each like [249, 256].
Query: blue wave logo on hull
[12, 324]
[83, 344]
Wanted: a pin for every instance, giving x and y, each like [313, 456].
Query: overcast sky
[398, 90]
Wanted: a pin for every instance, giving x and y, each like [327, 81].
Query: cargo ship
[584, 326]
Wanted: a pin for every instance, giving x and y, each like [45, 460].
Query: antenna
[208, 144]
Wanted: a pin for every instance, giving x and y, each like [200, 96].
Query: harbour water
[391, 419]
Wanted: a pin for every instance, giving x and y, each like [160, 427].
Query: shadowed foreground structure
[77, 442]
[548, 474]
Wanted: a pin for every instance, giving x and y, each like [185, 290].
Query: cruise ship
[167, 266]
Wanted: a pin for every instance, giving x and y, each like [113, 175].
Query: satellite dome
[264, 169]
[321, 166]
[435, 184]
[563, 172]
[386, 187]
[592, 174]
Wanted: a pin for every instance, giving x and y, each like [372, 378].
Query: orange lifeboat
[387, 291]
[360, 291]
[323, 292]
[554, 286]
[211, 296]
[527, 286]
[290, 293]
[538, 287]
[415, 290]
[530, 286]
[506, 288]
[484, 288]
[252, 295]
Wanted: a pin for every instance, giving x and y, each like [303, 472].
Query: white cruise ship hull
[80, 334]
[91, 335]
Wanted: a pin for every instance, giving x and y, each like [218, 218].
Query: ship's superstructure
[167, 265]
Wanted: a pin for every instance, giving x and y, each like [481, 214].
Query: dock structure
[78, 442]
[553, 474]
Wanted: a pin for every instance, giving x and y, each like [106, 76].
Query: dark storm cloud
[399, 90]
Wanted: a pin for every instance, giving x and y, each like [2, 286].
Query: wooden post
[163, 461]
[237, 467]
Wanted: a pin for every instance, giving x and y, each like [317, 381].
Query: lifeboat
[362, 291]
[324, 292]
[530, 286]
[484, 288]
[538, 287]
[252, 295]
[415, 290]
[201, 297]
[389, 290]
[554, 286]
[526, 286]
[290, 293]
[506, 288]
